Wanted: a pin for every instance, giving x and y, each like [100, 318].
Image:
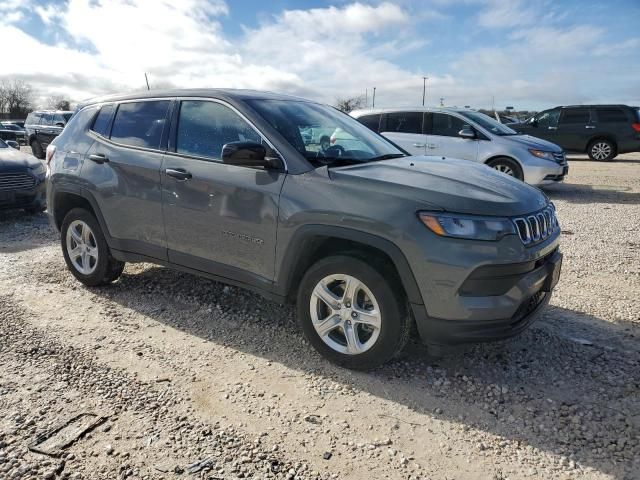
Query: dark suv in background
[41, 127]
[601, 131]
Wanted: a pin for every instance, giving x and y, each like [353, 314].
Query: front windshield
[324, 135]
[489, 123]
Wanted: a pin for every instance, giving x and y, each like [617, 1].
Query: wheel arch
[312, 242]
[67, 197]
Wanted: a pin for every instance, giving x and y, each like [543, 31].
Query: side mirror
[534, 122]
[248, 154]
[60, 124]
[13, 144]
[467, 133]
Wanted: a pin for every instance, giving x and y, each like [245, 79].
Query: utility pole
[147, 80]
[366, 97]
[442, 101]
[424, 88]
[374, 98]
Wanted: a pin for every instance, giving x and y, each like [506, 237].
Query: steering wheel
[327, 156]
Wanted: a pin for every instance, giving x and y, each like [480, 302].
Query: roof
[365, 111]
[50, 111]
[223, 93]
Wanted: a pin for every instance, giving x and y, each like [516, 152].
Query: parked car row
[10, 130]
[41, 127]
[363, 237]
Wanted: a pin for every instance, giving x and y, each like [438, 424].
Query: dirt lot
[189, 370]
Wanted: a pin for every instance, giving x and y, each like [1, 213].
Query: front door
[574, 128]
[443, 139]
[544, 126]
[405, 129]
[219, 218]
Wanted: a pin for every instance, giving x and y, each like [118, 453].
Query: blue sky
[529, 54]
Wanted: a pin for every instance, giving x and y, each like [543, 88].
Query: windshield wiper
[387, 156]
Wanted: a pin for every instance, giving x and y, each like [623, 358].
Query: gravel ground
[188, 370]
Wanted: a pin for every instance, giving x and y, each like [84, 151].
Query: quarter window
[101, 123]
[572, 116]
[447, 125]
[140, 124]
[404, 122]
[205, 127]
[611, 115]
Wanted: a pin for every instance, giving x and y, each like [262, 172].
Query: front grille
[560, 158]
[538, 226]
[16, 181]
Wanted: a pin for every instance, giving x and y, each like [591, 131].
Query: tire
[36, 148]
[507, 166]
[100, 268]
[602, 150]
[378, 321]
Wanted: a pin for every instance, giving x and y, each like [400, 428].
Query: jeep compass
[365, 239]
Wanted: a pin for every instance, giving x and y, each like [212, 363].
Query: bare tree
[58, 102]
[16, 97]
[349, 104]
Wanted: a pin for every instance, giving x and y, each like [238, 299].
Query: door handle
[589, 126]
[431, 146]
[552, 128]
[178, 173]
[419, 145]
[99, 158]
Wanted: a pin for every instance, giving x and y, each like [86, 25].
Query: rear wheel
[36, 148]
[507, 166]
[351, 314]
[86, 251]
[602, 150]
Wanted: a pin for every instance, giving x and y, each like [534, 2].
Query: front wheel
[508, 167]
[602, 150]
[86, 251]
[351, 314]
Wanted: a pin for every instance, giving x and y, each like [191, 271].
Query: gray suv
[364, 238]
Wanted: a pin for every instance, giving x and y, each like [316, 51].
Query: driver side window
[205, 127]
[548, 119]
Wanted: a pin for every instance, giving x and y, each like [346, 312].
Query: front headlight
[39, 170]
[467, 226]
[541, 154]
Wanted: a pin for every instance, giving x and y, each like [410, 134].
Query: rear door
[123, 165]
[575, 128]
[443, 139]
[405, 130]
[219, 218]
[613, 122]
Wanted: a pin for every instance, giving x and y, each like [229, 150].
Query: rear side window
[447, 125]
[205, 127]
[103, 120]
[140, 124]
[611, 115]
[73, 131]
[371, 121]
[404, 122]
[572, 116]
[60, 118]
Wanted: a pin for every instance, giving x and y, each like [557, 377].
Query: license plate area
[554, 267]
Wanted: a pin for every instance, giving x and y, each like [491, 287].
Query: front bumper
[478, 290]
[34, 197]
[545, 172]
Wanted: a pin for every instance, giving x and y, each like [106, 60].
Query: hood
[534, 142]
[14, 160]
[452, 185]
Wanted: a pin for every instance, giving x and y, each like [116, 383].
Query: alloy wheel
[82, 247]
[601, 150]
[345, 314]
[504, 169]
